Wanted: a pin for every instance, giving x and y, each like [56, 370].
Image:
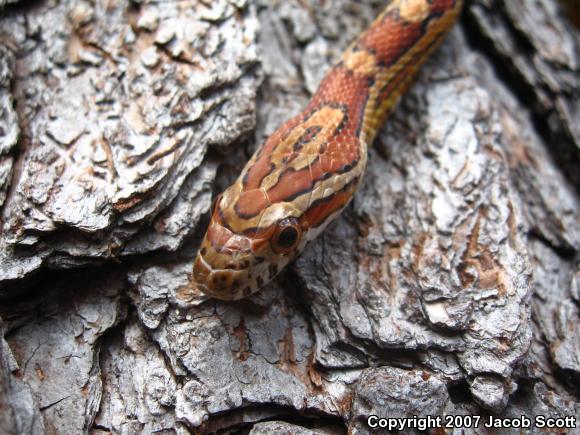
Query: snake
[305, 173]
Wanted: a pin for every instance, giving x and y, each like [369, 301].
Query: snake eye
[287, 236]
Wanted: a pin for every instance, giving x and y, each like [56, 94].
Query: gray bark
[450, 286]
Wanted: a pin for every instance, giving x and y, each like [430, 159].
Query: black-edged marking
[417, 58]
[309, 135]
[351, 185]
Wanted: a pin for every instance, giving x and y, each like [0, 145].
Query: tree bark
[450, 285]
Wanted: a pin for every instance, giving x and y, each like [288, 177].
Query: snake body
[307, 171]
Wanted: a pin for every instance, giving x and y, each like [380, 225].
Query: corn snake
[308, 170]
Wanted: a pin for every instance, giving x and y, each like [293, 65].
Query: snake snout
[222, 283]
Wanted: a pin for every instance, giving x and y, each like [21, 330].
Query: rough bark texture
[450, 286]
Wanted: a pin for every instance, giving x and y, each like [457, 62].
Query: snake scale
[308, 170]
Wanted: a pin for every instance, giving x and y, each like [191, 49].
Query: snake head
[233, 263]
[307, 171]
